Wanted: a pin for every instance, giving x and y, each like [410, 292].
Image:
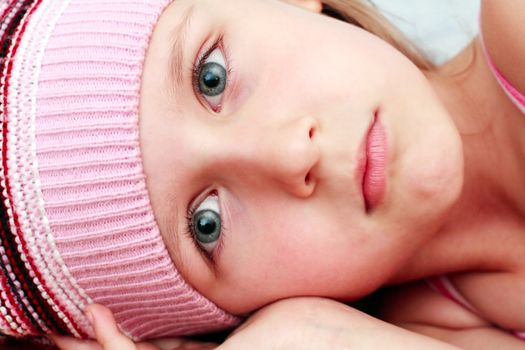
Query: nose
[288, 153]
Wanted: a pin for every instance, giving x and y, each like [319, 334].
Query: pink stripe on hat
[75, 170]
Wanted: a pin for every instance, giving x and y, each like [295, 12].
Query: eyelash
[189, 233]
[197, 65]
[195, 72]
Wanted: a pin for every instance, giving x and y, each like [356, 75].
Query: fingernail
[90, 317]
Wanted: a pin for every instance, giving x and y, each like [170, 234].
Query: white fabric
[441, 28]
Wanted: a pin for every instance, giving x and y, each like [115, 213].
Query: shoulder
[503, 31]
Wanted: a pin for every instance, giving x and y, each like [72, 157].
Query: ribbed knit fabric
[76, 223]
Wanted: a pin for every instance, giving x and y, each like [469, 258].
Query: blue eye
[210, 78]
[206, 223]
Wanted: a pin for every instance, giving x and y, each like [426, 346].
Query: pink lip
[372, 165]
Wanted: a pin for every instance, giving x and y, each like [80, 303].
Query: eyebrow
[180, 35]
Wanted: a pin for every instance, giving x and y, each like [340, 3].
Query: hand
[285, 324]
[109, 337]
[316, 323]
[297, 323]
[273, 327]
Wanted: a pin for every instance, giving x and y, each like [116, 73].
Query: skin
[462, 213]
[298, 323]
[280, 156]
[286, 118]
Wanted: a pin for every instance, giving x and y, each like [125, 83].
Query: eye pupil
[212, 80]
[207, 226]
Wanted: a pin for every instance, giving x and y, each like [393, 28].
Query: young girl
[286, 154]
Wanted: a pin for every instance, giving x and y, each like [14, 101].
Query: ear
[311, 5]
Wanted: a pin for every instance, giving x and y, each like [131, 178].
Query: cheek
[291, 253]
[275, 245]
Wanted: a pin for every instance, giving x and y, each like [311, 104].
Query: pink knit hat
[76, 223]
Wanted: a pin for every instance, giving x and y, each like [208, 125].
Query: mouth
[372, 164]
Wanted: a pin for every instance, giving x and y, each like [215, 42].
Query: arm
[299, 323]
[314, 323]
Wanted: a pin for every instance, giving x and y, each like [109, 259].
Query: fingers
[106, 330]
[67, 343]
[164, 344]
[191, 345]
[109, 337]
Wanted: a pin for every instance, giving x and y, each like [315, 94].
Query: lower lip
[374, 178]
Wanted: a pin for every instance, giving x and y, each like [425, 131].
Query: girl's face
[256, 120]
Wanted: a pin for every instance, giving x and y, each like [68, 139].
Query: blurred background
[441, 28]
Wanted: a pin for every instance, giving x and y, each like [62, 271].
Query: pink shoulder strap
[516, 96]
[444, 286]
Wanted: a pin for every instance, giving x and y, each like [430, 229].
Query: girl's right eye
[210, 77]
[206, 223]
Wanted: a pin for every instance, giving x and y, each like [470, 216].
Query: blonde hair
[364, 15]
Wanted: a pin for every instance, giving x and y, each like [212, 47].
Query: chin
[434, 195]
[427, 192]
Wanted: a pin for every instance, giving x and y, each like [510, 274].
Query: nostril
[309, 185]
[311, 133]
[313, 127]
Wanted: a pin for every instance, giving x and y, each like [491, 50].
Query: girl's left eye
[206, 223]
[210, 78]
